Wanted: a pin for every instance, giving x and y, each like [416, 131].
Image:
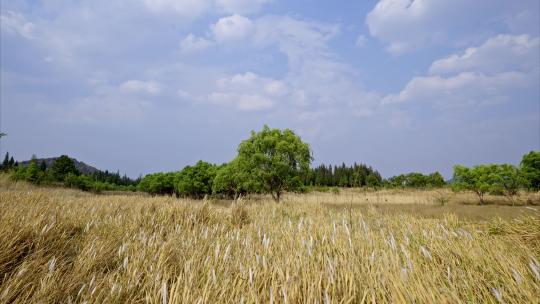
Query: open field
[59, 245]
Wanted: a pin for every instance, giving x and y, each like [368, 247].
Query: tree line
[499, 179]
[63, 172]
[273, 161]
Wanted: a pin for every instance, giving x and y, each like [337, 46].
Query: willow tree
[274, 160]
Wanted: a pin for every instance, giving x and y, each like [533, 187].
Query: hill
[81, 166]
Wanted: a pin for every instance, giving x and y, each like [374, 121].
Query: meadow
[390, 246]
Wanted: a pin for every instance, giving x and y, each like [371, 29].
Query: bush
[196, 181]
[530, 170]
[159, 183]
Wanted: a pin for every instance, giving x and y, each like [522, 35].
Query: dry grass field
[65, 246]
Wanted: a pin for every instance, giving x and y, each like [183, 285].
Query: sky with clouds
[154, 85]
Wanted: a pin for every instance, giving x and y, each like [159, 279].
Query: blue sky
[153, 85]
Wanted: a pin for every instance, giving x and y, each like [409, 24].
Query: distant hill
[81, 167]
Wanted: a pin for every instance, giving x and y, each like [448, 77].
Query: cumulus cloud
[232, 28]
[192, 43]
[14, 23]
[497, 54]
[248, 92]
[463, 89]
[488, 74]
[405, 25]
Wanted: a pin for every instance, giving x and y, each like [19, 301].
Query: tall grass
[65, 246]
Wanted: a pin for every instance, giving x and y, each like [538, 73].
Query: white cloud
[242, 102]
[406, 25]
[248, 92]
[497, 54]
[241, 6]
[14, 23]
[191, 43]
[137, 86]
[490, 73]
[361, 41]
[232, 28]
[464, 89]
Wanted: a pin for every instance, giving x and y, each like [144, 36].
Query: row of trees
[63, 172]
[270, 161]
[415, 180]
[8, 163]
[343, 176]
[497, 179]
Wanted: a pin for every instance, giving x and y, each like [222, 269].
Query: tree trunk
[481, 196]
[276, 196]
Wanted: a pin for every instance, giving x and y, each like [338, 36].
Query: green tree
[530, 169]
[232, 180]
[275, 160]
[480, 179]
[61, 167]
[43, 166]
[435, 180]
[373, 181]
[33, 174]
[196, 181]
[5, 163]
[159, 183]
[510, 180]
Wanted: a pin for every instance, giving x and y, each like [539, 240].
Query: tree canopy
[274, 160]
[62, 167]
[196, 181]
[530, 168]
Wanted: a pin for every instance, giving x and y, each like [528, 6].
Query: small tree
[159, 183]
[61, 167]
[510, 180]
[530, 169]
[232, 180]
[480, 179]
[5, 163]
[33, 174]
[196, 181]
[435, 180]
[274, 160]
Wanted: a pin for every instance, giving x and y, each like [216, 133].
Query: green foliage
[196, 181]
[159, 183]
[480, 179]
[61, 167]
[510, 180]
[8, 163]
[495, 179]
[274, 160]
[232, 180]
[342, 176]
[36, 172]
[530, 169]
[33, 174]
[416, 180]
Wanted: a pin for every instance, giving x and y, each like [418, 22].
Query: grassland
[64, 246]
